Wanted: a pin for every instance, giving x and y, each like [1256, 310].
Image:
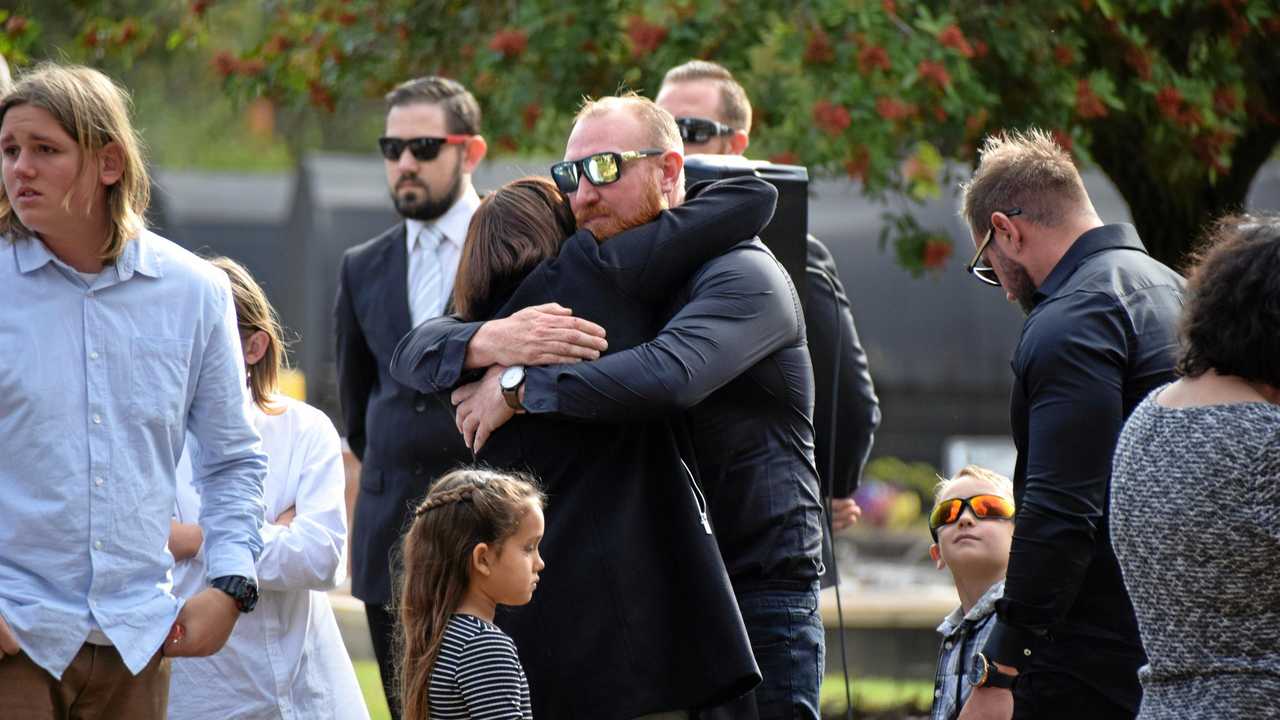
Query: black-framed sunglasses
[602, 168]
[986, 273]
[423, 148]
[984, 507]
[700, 130]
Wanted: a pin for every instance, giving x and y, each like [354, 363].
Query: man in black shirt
[1100, 335]
[733, 355]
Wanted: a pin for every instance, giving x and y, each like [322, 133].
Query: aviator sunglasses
[984, 507]
[423, 148]
[700, 130]
[603, 168]
[985, 272]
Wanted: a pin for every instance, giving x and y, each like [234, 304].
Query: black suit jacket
[404, 439]
[634, 612]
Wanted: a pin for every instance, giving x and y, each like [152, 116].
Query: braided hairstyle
[464, 508]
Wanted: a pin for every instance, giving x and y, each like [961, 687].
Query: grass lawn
[869, 694]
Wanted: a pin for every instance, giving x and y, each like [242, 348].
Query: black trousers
[1054, 696]
[382, 628]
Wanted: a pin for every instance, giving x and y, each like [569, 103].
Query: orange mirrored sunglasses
[984, 507]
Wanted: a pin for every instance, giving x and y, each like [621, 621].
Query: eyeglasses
[700, 130]
[984, 507]
[986, 273]
[423, 148]
[603, 168]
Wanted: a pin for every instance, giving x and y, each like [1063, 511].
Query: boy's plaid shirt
[962, 638]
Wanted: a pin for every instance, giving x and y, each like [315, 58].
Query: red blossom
[347, 18]
[818, 50]
[1065, 55]
[892, 109]
[645, 36]
[321, 96]
[251, 67]
[224, 63]
[276, 45]
[508, 143]
[890, 7]
[1209, 148]
[127, 31]
[1169, 100]
[974, 124]
[785, 158]
[1063, 139]
[1225, 101]
[858, 165]
[952, 37]
[980, 49]
[934, 72]
[871, 57]
[530, 114]
[200, 7]
[15, 25]
[402, 32]
[509, 42]
[936, 253]
[939, 113]
[831, 118]
[1088, 105]
[1139, 60]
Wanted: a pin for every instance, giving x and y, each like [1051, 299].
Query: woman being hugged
[1195, 496]
[473, 546]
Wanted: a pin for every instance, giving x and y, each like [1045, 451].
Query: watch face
[978, 671]
[511, 377]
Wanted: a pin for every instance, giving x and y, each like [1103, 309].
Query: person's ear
[738, 142]
[474, 152]
[255, 347]
[110, 164]
[936, 554]
[672, 164]
[482, 560]
[1007, 234]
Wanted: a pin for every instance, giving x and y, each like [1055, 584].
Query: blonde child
[287, 658]
[473, 546]
[972, 528]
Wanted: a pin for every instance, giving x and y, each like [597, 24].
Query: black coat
[404, 438]
[634, 612]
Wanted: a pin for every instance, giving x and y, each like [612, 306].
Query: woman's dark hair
[1231, 323]
[516, 227]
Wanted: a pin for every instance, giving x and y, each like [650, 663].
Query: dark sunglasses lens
[602, 168]
[986, 275]
[991, 506]
[695, 130]
[945, 513]
[391, 147]
[425, 148]
[566, 176]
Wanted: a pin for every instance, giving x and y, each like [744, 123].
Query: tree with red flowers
[1177, 101]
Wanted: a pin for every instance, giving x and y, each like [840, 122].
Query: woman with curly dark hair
[1195, 495]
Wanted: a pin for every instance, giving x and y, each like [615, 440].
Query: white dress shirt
[434, 249]
[285, 659]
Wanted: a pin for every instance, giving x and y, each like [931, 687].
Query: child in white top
[473, 546]
[286, 658]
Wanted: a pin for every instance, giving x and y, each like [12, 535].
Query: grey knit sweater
[1195, 522]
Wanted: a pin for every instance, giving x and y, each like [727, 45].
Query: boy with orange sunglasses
[972, 528]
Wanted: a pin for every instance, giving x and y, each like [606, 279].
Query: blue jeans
[789, 643]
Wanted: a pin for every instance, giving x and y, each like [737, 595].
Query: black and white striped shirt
[477, 675]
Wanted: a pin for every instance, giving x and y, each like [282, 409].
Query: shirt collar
[984, 607]
[452, 224]
[1117, 236]
[139, 255]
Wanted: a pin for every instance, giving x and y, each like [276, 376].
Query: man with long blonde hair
[114, 345]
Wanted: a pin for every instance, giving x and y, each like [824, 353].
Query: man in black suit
[846, 410]
[386, 286]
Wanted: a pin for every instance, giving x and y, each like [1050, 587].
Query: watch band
[241, 589]
[992, 676]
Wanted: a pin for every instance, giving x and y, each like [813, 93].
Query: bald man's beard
[604, 222]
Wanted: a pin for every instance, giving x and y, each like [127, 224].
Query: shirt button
[97, 419]
[937, 693]
[947, 645]
[93, 355]
[420, 406]
[97, 544]
[98, 481]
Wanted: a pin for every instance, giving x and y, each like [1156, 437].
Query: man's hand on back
[539, 335]
[481, 409]
[844, 513]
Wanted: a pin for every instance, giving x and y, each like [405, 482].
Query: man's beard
[418, 204]
[1019, 284]
[608, 223]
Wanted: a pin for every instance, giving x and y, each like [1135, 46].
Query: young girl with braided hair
[473, 546]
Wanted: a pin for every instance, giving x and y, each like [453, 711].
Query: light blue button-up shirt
[98, 386]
